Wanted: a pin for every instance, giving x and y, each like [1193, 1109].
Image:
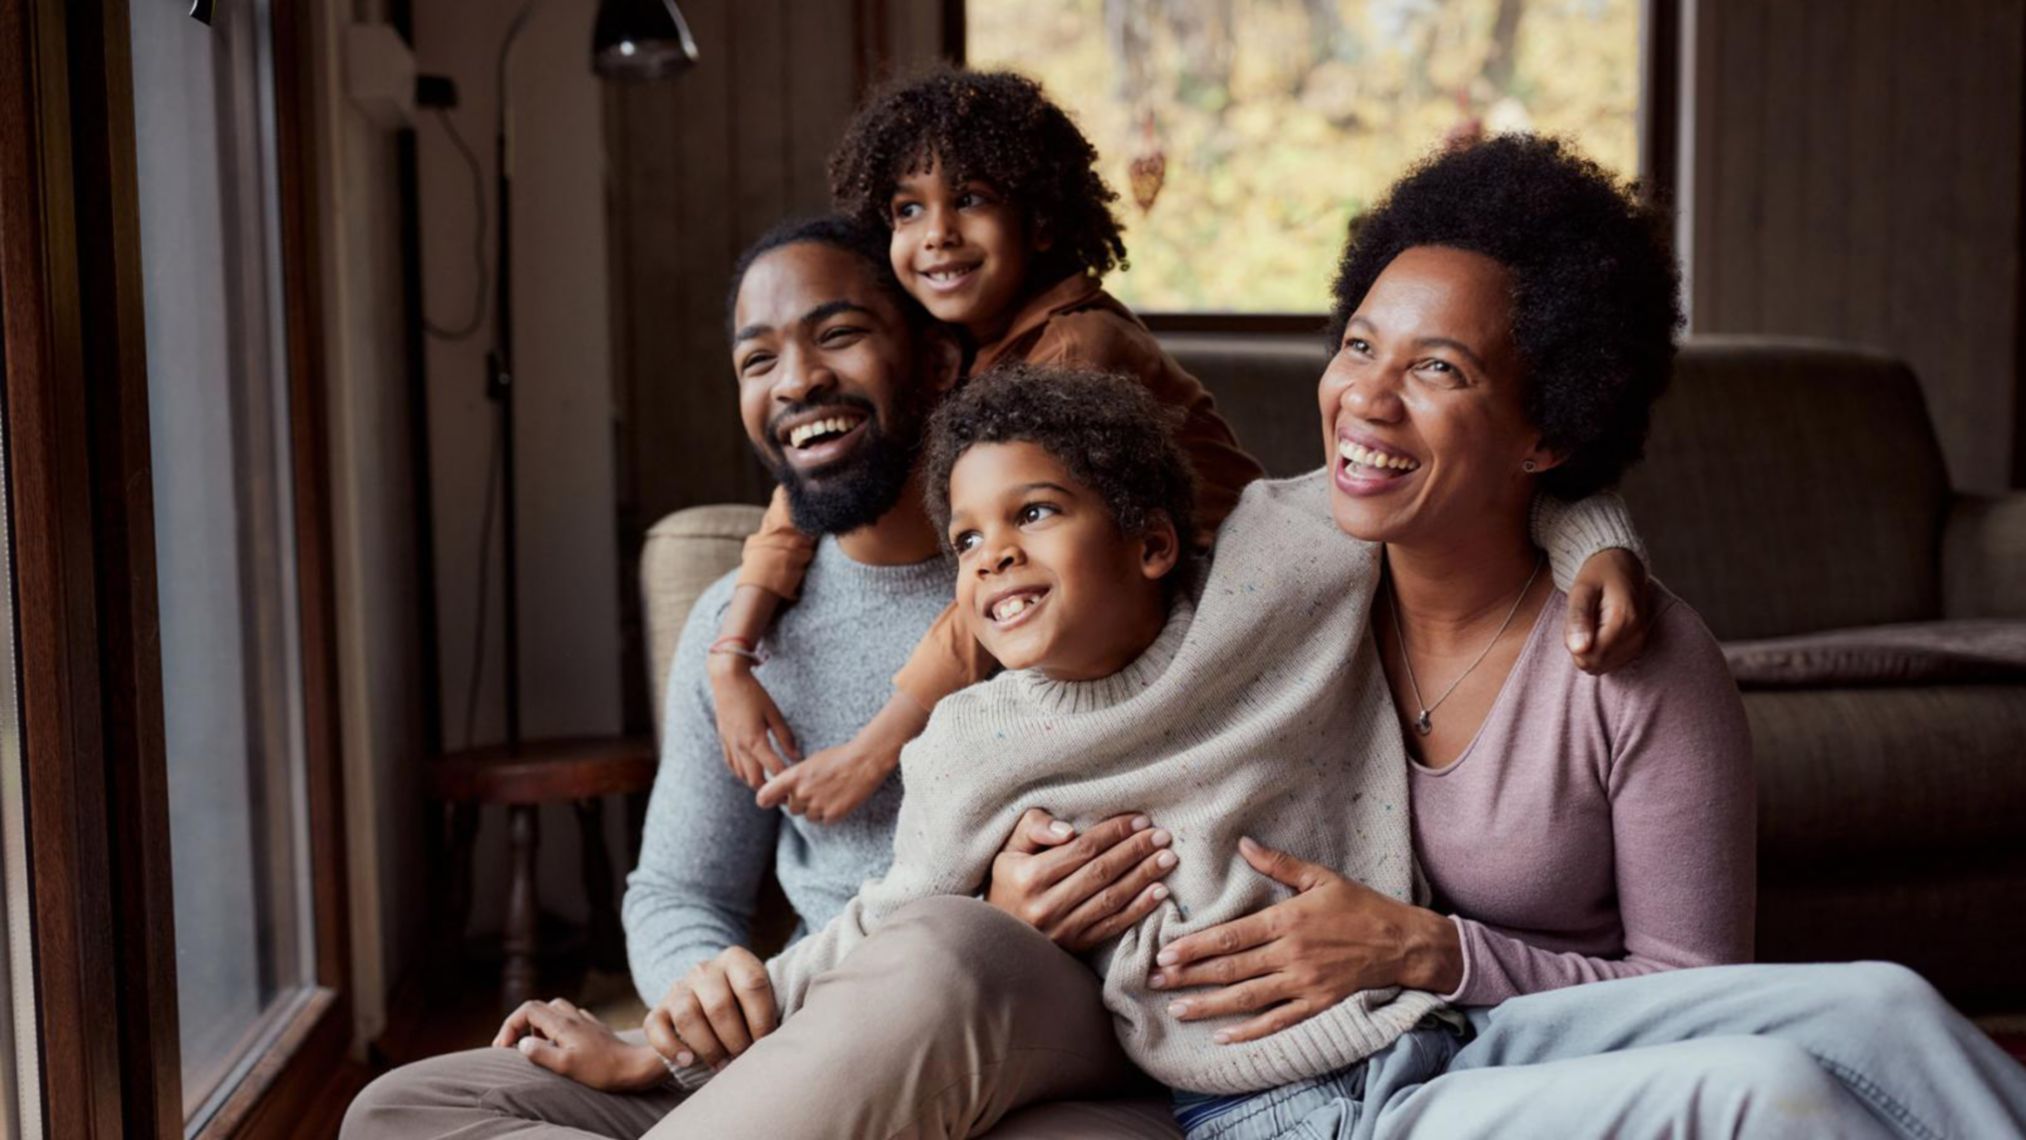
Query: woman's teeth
[836, 425]
[1366, 457]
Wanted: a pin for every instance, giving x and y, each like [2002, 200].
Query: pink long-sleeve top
[1597, 827]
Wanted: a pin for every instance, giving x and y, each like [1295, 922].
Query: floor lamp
[632, 41]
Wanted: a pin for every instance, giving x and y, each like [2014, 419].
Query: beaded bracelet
[736, 647]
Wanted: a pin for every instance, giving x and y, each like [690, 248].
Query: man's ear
[1160, 549]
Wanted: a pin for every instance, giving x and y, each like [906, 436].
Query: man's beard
[860, 489]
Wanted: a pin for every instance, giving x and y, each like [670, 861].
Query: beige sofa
[1790, 487]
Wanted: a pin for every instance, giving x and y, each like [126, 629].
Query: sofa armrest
[1984, 557]
[682, 554]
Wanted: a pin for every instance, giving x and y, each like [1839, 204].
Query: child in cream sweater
[1230, 700]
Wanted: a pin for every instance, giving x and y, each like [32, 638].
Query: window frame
[1659, 160]
[78, 477]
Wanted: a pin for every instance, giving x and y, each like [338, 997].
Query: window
[1274, 123]
[224, 520]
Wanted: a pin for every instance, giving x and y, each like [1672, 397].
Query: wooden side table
[578, 770]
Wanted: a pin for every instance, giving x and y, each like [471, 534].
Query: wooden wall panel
[1857, 176]
[698, 168]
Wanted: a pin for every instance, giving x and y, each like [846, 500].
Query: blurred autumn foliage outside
[1281, 120]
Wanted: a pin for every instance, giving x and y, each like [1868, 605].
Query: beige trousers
[951, 1021]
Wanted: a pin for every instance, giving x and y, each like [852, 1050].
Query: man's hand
[564, 1039]
[1610, 611]
[715, 1012]
[1081, 890]
[747, 716]
[1302, 955]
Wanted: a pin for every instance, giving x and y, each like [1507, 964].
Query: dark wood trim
[48, 484]
[130, 665]
[2019, 311]
[1260, 323]
[1660, 102]
[302, 303]
[273, 1098]
[956, 48]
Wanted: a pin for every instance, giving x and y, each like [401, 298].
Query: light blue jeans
[1847, 1050]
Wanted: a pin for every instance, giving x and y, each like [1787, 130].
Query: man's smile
[821, 436]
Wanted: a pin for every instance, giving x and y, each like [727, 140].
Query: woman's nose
[1373, 396]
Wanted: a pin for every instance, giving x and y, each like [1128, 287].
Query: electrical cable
[471, 325]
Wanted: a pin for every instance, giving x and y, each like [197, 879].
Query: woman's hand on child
[1081, 890]
[1610, 611]
[1302, 955]
[756, 739]
[715, 1012]
[570, 1041]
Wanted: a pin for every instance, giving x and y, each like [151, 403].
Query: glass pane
[20, 1102]
[1277, 122]
[223, 533]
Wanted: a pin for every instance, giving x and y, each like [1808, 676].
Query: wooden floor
[459, 1010]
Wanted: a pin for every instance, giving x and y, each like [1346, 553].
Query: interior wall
[701, 166]
[382, 676]
[1855, 173]
[569, 552]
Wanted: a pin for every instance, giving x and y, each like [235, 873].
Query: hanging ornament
[1149, 167]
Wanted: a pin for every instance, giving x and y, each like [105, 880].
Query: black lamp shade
[641, 39]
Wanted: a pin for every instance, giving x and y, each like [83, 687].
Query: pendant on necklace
[1423, 724]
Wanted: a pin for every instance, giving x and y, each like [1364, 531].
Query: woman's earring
[1528, 466]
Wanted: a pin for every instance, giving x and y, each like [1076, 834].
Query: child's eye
[906, 211]
[964, 542]
[1035, 512]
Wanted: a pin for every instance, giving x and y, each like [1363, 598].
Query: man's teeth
[1013, 607]
[1366, 457]
[835, 425]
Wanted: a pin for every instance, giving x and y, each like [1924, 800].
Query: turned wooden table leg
[517, 977]
[460, 831]
[605, 941]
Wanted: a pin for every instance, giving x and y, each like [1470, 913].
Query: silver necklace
[1425, 722]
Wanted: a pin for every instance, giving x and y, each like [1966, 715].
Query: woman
[1504, 324]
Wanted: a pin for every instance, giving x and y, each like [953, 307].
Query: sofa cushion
[1881, 775]
[1920, 653]
[1265, 385]
[1791, 486]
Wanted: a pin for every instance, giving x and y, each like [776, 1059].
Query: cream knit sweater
[1260, 709]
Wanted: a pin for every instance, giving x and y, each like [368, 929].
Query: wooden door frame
[79, 485]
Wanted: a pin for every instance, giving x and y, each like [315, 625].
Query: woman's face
[1423, 406]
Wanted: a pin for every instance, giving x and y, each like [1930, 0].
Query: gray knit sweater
[706, 848]
[1260, 710]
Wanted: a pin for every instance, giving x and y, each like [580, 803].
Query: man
[821, 332]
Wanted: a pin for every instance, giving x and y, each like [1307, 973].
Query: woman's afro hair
[994, 127]
[1106, 430]
[1595, 289]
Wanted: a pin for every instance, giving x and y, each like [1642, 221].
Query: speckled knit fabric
[1261, 709]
